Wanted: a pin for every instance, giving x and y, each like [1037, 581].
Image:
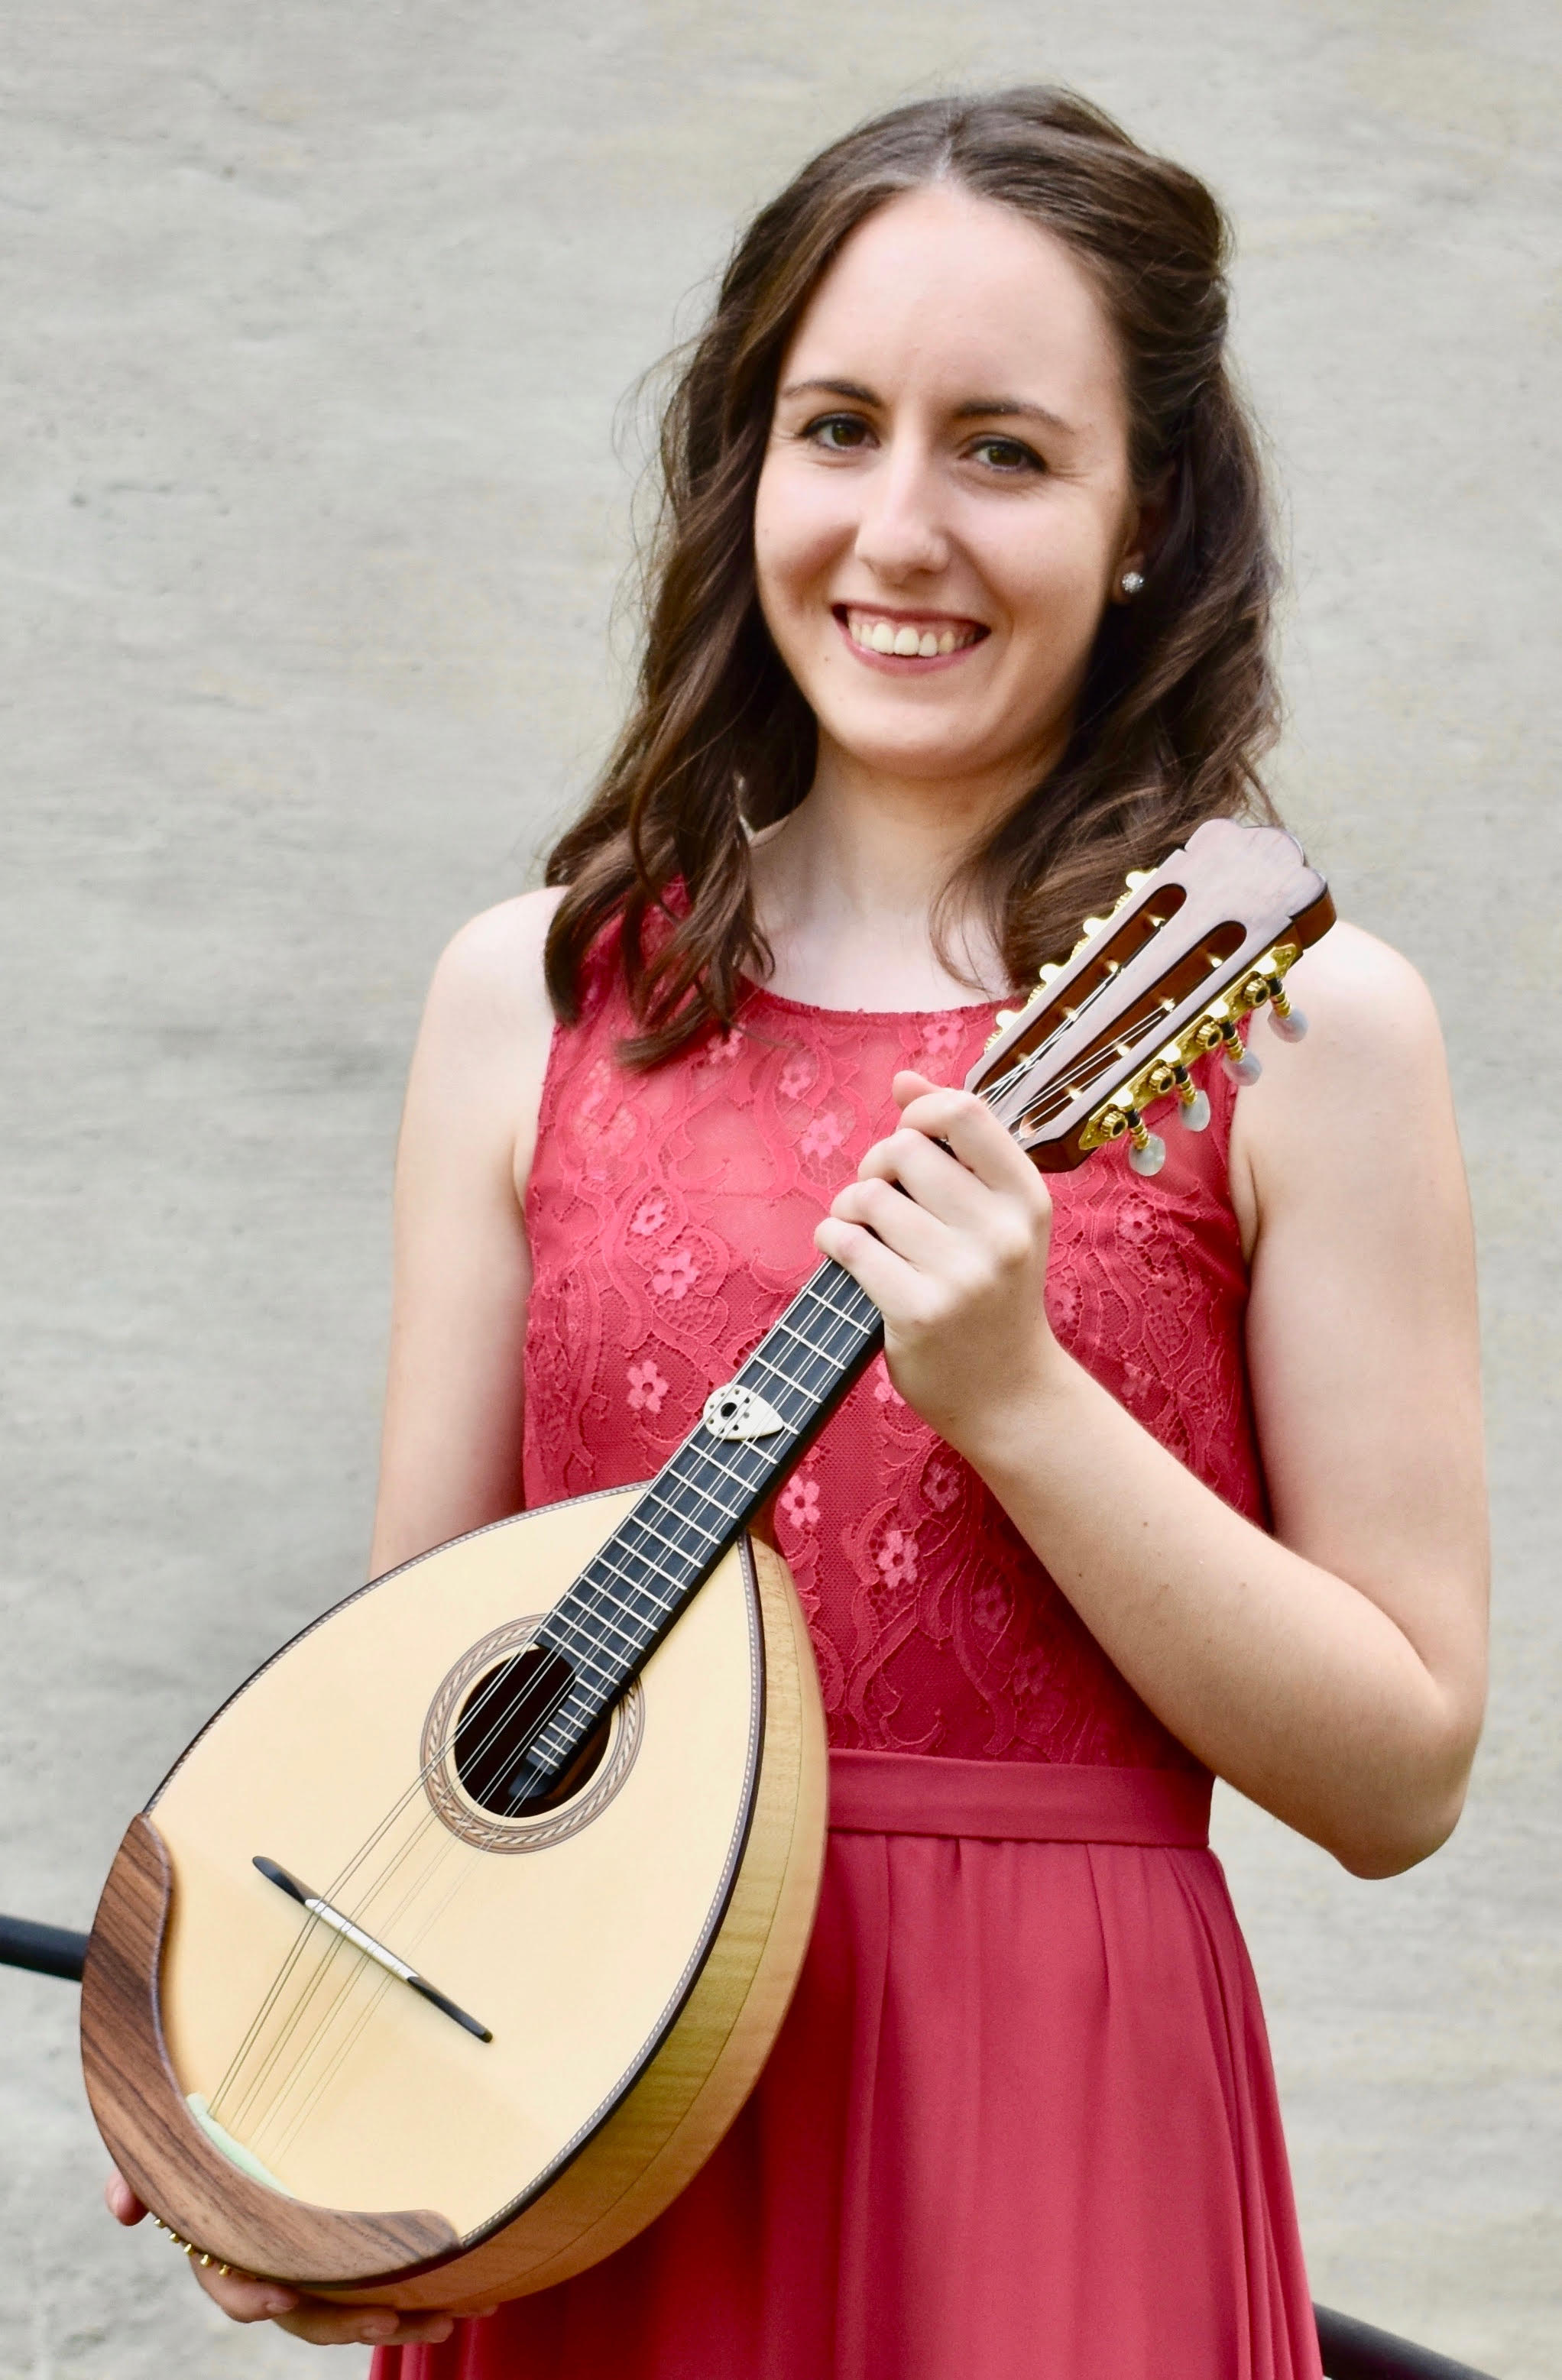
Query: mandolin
[443, 1958]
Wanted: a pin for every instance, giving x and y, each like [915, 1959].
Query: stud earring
[1131, 582]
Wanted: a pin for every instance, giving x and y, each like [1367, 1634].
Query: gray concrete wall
[314, 320]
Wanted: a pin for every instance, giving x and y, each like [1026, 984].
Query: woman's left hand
[950, 1243]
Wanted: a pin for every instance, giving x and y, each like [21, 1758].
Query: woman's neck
[845, 888]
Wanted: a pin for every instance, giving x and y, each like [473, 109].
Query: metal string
[588, 1593]
[589, 1606]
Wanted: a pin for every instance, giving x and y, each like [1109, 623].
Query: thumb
[121, 2200]
[909, 1085]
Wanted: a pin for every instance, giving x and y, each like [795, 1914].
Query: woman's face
[945, 507]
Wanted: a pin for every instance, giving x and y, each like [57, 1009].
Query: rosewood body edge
[138, 2104]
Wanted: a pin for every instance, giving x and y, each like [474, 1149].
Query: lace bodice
[671, 1216]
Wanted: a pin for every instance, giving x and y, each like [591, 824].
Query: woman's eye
[838, 433]
[1007, 454]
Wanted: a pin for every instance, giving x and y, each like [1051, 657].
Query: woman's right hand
[243, 2300]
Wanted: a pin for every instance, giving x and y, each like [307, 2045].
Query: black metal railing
[1354, 2350]
[47, 1949]
[1350, 2350]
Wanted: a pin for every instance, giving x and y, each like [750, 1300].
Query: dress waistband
[1017, 1801]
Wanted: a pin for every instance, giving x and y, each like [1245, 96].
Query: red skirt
[1020, 2122]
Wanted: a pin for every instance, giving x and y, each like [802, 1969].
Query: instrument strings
[343, 1962]
[837, 1340]
[341, 1956]
[827, 1355]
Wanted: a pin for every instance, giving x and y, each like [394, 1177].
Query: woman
[960, 610]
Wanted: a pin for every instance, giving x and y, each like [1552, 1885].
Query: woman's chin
[912, 759]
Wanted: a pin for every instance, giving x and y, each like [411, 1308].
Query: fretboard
[631, 1593]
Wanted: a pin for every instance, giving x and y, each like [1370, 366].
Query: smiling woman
[1020, 508]
[1001, 325]
[960, 609]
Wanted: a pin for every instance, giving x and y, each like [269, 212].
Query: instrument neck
[632, 1591]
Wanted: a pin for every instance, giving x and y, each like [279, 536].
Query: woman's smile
[906, 643]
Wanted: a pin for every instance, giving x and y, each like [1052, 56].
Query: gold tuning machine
[1265, 988]
[1167, 1075]
[1284, 1019]
[1147, 1150]
[1239, 1062]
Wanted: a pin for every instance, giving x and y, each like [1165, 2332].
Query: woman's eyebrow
[982, 409]
[850, 389]
[975, 408]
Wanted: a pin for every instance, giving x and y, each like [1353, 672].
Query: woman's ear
[1146, 527]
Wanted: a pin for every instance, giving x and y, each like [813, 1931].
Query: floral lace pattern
[671, 1216]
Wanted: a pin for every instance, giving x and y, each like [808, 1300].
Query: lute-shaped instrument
[444, 1955]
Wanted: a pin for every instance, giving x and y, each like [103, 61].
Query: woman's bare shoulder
[492, 969]
[482, 1048]
[1364, 1094]
[1352, 977]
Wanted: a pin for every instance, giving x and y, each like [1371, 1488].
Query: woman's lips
[907, 638]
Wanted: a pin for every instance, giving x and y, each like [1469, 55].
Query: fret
[602, 1616]
[568, 1629]
[634, 1587]
[636, 1604]
[822, 1306]
[759, 1361]
[580, 1660]
[656, 1573]
[716, 1462]
[686, 1520]
[841, 1314]
[769, 1364]
[792, 1330]
[708, 1500]
[660, 1605]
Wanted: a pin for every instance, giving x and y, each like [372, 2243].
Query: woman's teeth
[889, 636]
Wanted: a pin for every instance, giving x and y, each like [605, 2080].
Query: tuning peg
[1004, 1018]
[1093, 926]
[1288, 1022]
[1239, 1063]
[1147, 1150]
[1169, 1077]
[1137, 876]
[1049, 973]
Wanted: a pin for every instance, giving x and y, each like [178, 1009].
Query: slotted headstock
[1193, 947]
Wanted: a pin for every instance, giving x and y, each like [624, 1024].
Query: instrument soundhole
[498, 1719]
[468, 1778]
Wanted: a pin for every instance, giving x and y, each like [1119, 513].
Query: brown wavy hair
[1178, 703]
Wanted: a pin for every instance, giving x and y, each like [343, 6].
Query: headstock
[1192, 948]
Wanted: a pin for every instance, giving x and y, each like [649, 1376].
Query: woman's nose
[900, 534]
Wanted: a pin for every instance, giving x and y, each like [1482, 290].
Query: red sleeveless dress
[1020, 2123]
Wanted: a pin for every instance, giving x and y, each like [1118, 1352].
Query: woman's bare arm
[1335, 1671]
[450, 1452]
